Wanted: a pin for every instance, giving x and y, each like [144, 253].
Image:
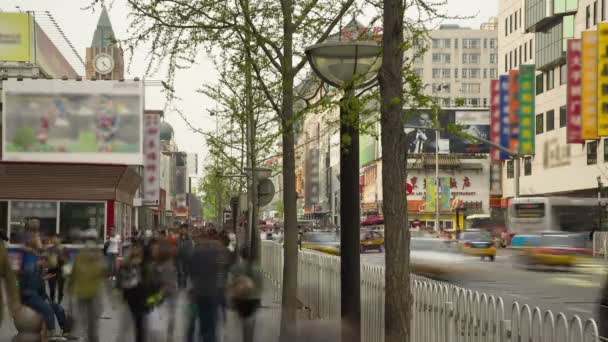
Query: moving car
[553, 250]
[478, 243]
[371, 239]
[326, 242]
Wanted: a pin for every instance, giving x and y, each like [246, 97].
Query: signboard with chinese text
[514, 110]
[151, 177]
[72, 121]
[15, 32]
[526, 108]
[494, 118]
[573, 97]
[589, 86]
[602, 80]
[505, 127]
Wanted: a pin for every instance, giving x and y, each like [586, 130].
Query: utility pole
[600, 186]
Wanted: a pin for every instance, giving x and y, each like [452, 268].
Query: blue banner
[505, 127]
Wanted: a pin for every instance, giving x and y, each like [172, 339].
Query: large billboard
[589, 86]
[526, 109]
[72, 121]
[15, 33]
[472, 122]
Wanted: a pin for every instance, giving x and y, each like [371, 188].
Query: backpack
[129, 277]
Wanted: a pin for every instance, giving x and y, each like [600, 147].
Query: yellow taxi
[553, 250]
[371, 239]
[477, 243]
[325, 242]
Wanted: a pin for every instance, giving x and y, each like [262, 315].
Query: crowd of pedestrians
[148, 271]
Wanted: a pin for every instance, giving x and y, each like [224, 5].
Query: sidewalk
[111, 329]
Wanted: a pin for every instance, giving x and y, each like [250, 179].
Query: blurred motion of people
[57, 256]
[130, 281]
[245, 292]
[112, 251]
[85, 284]
[185, 247]
[7, 276]
[165, 268]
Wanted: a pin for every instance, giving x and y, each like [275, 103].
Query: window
[455, 72]
[440, 43]
[563, 74]
[471, 73]
[592, 152]
[510, 60]
[520, 56]
[493, 43]
[485, 101]
[525, 51]
[506, 63]
[447, 43]
[472, 102]
[603, 9]
[418, 59]
[81, 216]
[605, 150]
[588, 17]
[441, 73]
[471, 43]
[441, 88]
[470, 58]
[21, 211]
[515, 57]
[511, 23]
[485, 73]
[550, 120]
[550, 79]
[515, 24]
[527, 166]
[485, 43]
[530, 48]
[436, 43]
[539, 84]
[506, 27]
[446, 101]
[455, 43]
[493, 73]
[419, 72]
[471, 88]
[493, 58]
[562, 116]
[595, 12]
[441, 58]
[539, 123]
[510, 169]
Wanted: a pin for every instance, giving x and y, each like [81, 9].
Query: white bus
[534, 215]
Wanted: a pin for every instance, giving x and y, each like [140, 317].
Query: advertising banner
[602, 79]
[15, 33]
[588, 118]
[494, 118]
[151, 158]
[573, 97]
[73, 121]
[431, 194]
[514, 110]
[527, 91]
[505, 127]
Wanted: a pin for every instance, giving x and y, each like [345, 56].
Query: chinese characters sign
[602, 81]
[505, 128]
[573, 111]
[514, 109]
[495, 118]
[526, 109]
[589, 86]
[151, 158]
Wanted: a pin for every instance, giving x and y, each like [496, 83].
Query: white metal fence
[441, 311]
[600, 244]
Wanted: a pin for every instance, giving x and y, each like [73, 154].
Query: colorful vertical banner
[505, 127]
[431, 193]
[589, 86]
[602, 79]
[494, 118]
[574, 92]
[514, 110]
[527, 75]
[444, 194]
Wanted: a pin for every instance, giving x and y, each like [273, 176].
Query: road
[573, 293]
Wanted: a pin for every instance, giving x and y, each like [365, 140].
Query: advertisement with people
[73, 121]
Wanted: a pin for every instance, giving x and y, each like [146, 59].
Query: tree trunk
[398, 294]
[290, 247]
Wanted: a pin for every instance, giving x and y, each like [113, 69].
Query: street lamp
[348, 64]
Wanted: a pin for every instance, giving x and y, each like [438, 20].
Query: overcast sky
[79, 25]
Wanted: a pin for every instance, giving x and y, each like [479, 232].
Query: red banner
[574, 92]
[495, 118]
[514, 110]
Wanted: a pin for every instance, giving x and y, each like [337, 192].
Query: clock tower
[105, 58]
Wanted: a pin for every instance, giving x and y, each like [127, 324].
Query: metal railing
[441, 311]
[600, 244]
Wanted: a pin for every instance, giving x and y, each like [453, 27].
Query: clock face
[104, 64]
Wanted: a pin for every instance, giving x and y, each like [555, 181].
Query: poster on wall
[527, 89]
[573, 93]
[151, 179]
[589, 86]
[494, 118]
[602, 80]
[72, 121]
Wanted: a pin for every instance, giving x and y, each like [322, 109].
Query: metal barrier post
[505, 330]
[450, 325]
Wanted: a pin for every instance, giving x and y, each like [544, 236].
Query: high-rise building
[459, 64]
[105, 58]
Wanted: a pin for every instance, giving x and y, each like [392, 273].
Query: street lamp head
[352, 63]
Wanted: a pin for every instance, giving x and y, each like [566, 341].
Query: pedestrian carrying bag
[158, 323]
[129, 277]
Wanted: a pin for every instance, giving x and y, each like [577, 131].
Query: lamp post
[349, 65]
[600, 186]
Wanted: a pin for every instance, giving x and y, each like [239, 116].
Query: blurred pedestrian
[245, 292]
[58, 258]
[165, 268]
[112, 251]
[130, 281]
[7, 276]
[185, 247]
[85, 285]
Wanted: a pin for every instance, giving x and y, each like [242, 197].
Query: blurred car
[371, 239]
[553, 250]
[439, 259]
[326, 242]
[477, 243]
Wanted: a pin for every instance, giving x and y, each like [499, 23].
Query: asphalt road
[571, 292]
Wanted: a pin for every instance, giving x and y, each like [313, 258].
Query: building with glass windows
[536, 32]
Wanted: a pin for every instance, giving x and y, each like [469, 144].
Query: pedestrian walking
[165, 267]
[85, 285]
[245, 292]
[112, 251]
[7, 276]
[57, 257]
[185, 247]
[130, 281]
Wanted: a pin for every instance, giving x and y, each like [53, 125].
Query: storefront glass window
[46, 212]
[76, 217]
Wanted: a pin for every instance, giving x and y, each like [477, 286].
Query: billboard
[589, 86]
[73, 121]
[527, 89]
[15, 33]
[431, 193]
[494, 118]
[574, 91]
[514, 110]
[505, 128]
[151, 177]
[471, 122]
[602, 79]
